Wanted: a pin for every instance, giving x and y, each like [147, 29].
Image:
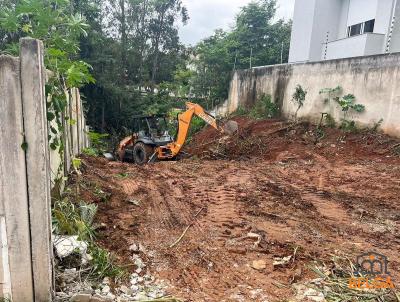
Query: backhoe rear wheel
[142, 153]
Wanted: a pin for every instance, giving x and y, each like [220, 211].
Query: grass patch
[104, 264]
[335, 284]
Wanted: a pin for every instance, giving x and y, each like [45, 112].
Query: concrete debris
[281, 261]
[141, 287]
[255, 236]
[305, 293]
[134, 202]
[67, 245]
[81, 298]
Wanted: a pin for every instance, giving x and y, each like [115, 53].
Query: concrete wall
[373, 80]
[26, 165]
[361, 11]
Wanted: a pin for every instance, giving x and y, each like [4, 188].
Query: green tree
[60, 32]
[255, 40]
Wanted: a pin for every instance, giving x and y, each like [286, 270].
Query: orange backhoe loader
[151, 140]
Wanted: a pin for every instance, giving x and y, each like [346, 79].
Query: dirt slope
[302, 199]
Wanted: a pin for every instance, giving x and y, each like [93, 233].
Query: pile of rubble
[74, 284]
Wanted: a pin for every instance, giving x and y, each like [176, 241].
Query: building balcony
[356, 46]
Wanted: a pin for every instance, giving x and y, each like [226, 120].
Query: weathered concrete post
[67, 135]
[14, 212]
[74, 122]
[37, 163]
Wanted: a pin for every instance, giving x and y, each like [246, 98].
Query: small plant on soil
[103, 264]
[264, 108]
[330, 121]
[241, 111]
[70, 219]
[98, 144]
[347, 104]
[377, 125]
[299, 98]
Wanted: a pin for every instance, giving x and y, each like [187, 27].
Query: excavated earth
[271, 191]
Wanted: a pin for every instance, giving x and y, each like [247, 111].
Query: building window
[354, 30]
[361, 28]
[369, 26]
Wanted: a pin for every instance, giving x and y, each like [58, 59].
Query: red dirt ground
[338, 195]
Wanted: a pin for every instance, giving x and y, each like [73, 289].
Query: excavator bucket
[231, 127]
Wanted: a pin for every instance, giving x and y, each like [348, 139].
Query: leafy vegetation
[299, 97]
[98, 144]
[347, 104]
[264, 108]
[60, 32]
[132, 49]
[74, 218]
[103, 264]
[70, 219]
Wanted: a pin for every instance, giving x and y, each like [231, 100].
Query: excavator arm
[184, 120]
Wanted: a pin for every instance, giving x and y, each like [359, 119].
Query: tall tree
[163, 29]
[255, 40]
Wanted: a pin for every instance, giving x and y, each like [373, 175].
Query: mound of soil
[267, 139]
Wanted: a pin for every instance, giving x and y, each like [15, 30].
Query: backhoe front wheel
[142, 153]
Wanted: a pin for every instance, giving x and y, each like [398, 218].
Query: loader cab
[152, 130]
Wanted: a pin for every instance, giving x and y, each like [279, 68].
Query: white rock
[124, 289]
[66, 245]
[134, 248]
[105, 290]
[81, 298]
[110, 296]
[139, 263]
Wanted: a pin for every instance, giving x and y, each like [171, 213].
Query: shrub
[264, 108]
[347, 104]
[299, 98]
[241, 111]
[330, 121]
[69, 219]
[98, 144]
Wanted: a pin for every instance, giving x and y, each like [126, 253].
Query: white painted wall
[395, 38]
[326, 22]
[303, 22]
[357, 46]
[314, 18]
[361, 11]
[344, 15]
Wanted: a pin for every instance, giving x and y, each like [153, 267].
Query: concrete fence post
[14, 212]
[74, 122]
[67, 135]
[38, 166]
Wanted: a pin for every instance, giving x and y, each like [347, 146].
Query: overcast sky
[208, 15]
